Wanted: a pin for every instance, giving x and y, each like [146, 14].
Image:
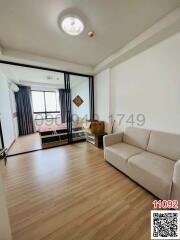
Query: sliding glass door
[80, 106]
[50, 107]
[1, 138]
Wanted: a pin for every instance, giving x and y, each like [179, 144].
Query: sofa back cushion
[137, 137]
[165, 144]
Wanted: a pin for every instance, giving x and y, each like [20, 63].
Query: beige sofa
[151, 158]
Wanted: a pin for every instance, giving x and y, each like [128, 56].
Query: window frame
[46, 112]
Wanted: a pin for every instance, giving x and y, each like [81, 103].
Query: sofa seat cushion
[119, 153]
[152, 172]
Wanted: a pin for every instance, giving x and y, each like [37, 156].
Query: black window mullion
[91, 97]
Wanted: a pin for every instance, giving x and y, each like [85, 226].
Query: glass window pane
[39, 116]
[38, 101]
[53, 115]
[57, 101]
[52, 103]
[0, 143]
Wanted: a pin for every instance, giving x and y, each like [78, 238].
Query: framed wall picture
[78, 101]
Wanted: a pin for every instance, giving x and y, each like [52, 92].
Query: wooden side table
[95, 139]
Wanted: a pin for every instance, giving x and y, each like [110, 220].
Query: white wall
[31, 59]
[102, 97]
[14, 113]
[148, 83]
[5, 112]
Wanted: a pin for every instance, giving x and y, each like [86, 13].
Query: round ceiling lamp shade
[72, 25]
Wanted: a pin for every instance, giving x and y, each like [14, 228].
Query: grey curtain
[24, 110]
[62, 100]
[65, 107]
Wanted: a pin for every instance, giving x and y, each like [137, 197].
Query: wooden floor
[70, 192]
[26, 143]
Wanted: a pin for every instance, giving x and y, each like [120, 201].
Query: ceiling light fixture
[72, 25]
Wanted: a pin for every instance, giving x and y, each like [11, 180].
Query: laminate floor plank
[71, 192]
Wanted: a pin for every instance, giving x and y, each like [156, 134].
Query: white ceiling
[31, 26]
[38, 78]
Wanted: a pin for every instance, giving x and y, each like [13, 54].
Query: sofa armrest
[112, 139]
[175, 193]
